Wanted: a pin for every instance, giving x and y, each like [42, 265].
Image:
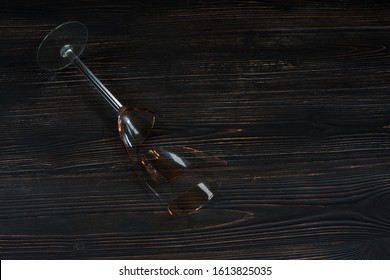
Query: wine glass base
[73, 34]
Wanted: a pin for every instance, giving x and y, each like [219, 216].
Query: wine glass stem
[92, 78]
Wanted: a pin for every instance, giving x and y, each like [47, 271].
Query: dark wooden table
[295, 95]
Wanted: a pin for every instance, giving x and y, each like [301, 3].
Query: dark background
[295, 95]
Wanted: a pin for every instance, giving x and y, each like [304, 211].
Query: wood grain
[295, 96]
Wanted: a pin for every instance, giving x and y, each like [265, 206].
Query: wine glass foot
[71, 34]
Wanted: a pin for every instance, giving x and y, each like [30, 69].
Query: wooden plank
[294, 96]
